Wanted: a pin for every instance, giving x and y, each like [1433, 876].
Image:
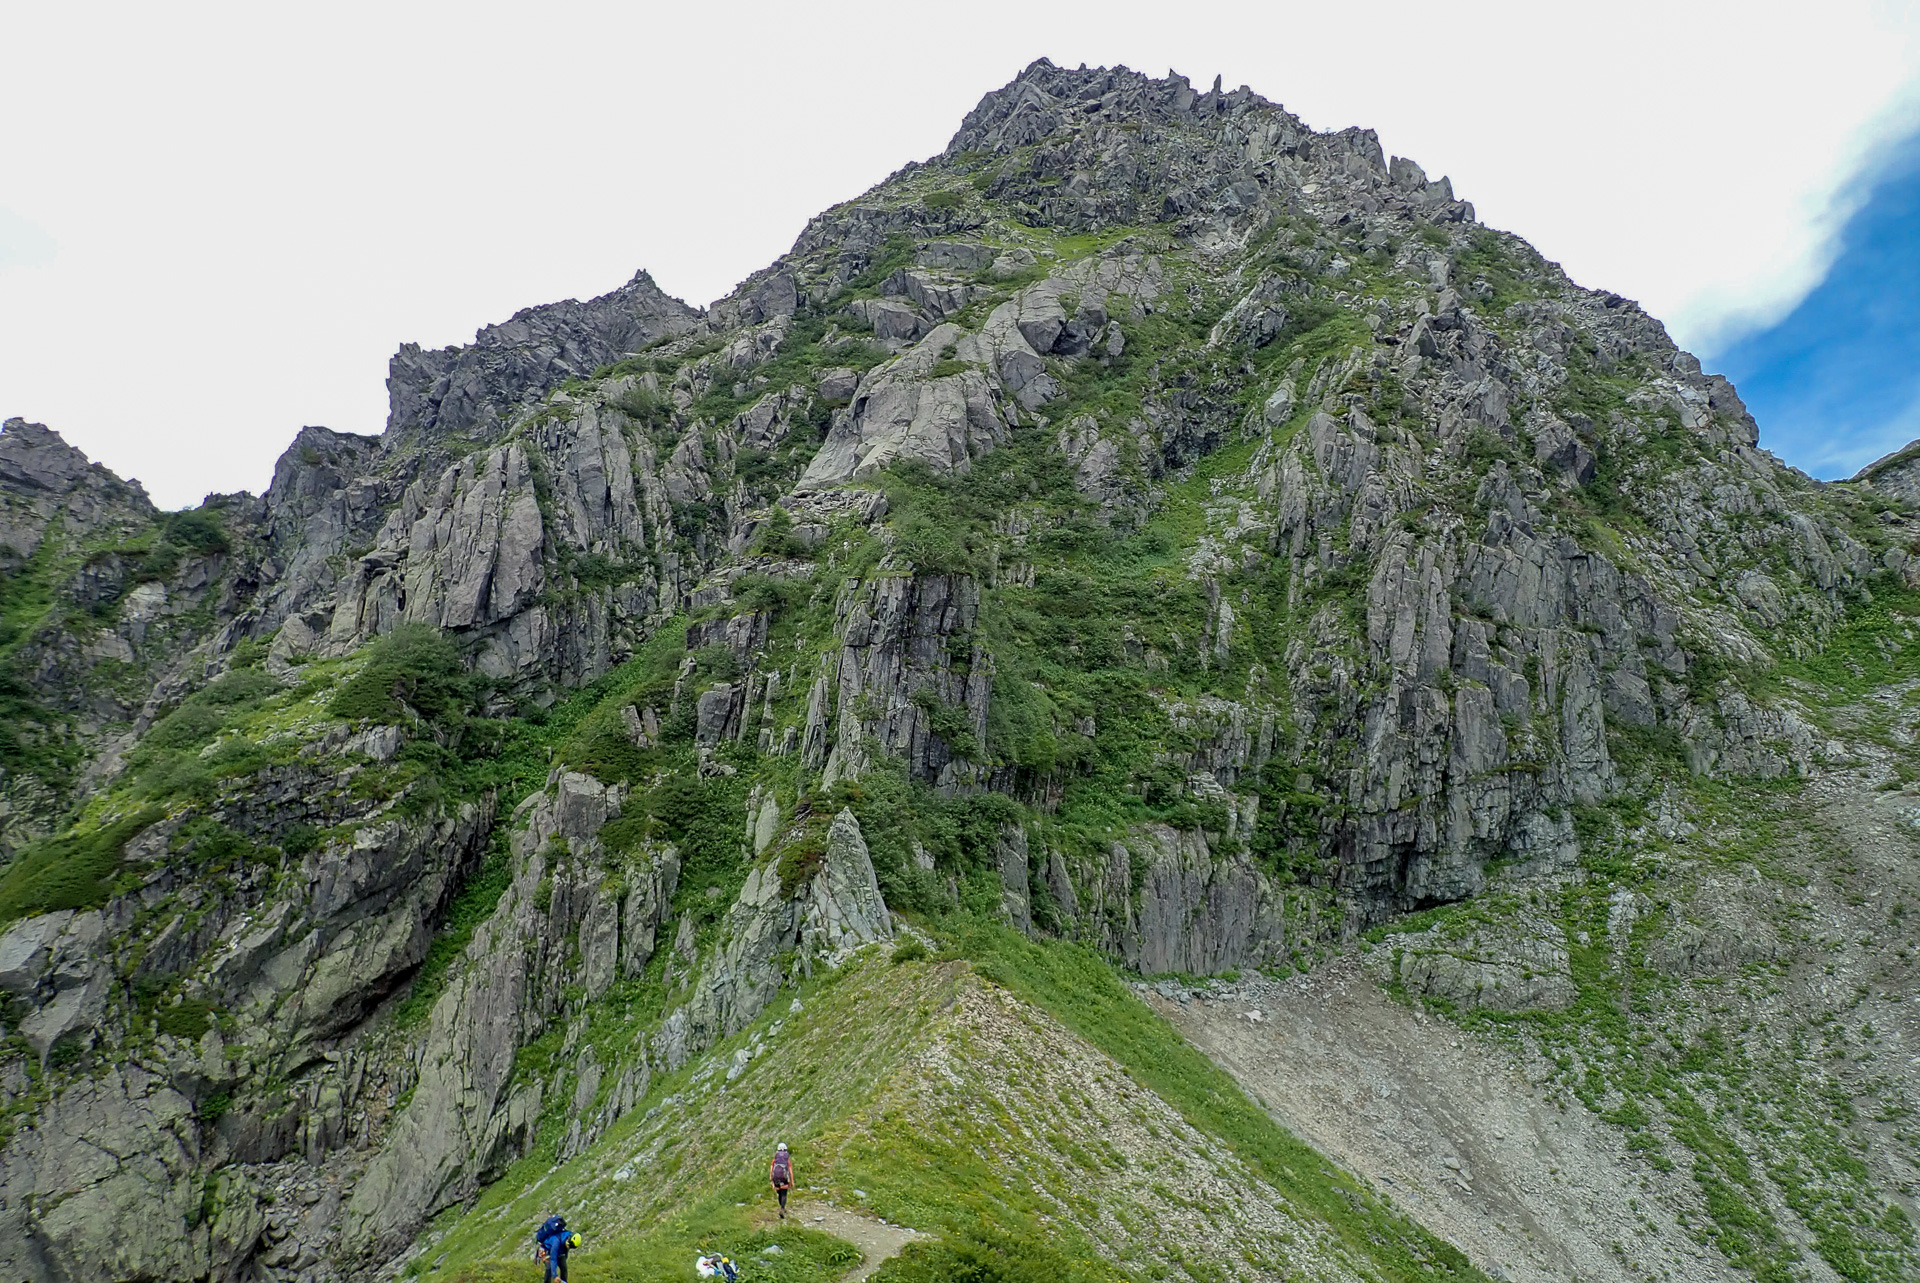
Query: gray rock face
[1166, 902]
[1501, 971]
[468, 1115]
[325, 499]
[1076, 117]
[844, 910]
[51, 963]
[120, 1196]
[79, 667]
[1728, 925]
[901, 414]
[473, 550]
[1015, 861]
[471, 559]
[894, 665]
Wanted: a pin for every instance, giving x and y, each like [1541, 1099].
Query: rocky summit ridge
[1150, 530]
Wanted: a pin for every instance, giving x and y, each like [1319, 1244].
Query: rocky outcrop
[462, 554]
[469, 1113]
[902, 414]
[327, 498]
[1165, 902]
[843, 909]
[44, 480]
[477, 389]
[1896, 474]
[896, 671]
[1519, 966]
[1187, 151]
[480, 548]
[237, 1030]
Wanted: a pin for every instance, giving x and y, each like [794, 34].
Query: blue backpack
[553, 1225]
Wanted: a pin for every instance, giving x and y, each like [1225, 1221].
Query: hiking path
[878, 1242]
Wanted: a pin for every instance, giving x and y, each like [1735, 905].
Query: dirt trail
[876, 1240]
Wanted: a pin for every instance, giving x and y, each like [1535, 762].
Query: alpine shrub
[72, 871]
[198, 530]
[412, 672]
[991, 1256]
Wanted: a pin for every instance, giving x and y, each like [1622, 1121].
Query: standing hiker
[556, 1241]
[781, 1174]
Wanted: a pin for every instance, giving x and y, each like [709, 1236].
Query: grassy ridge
[1013, 1174]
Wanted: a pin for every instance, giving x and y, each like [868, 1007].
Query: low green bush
[188, 1018]
[202, 714]
[986, 1256]
[412, 672]
[197, 530]
[73, 871]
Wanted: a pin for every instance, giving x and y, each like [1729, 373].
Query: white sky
[218, 221]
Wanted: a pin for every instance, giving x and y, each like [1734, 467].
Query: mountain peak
[1044, 100]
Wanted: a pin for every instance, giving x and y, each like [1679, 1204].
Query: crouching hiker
[714, 1265]
[781, 1174]
[555, 1241]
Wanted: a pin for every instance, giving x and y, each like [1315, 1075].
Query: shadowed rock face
[1264, 545]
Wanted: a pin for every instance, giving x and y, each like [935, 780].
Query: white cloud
[1844, 454]
[23, 243]
[255, 204]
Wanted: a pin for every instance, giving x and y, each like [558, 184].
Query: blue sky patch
[1835, 384]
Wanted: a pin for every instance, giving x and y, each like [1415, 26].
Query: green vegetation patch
[1877, 645]
[202, 714]
[77, 870]
[1511, 268]
[412, 674]
[1106, 638]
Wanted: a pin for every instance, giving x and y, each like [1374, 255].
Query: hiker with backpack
[715, 1265]
[781, 1174]
[555, 1241]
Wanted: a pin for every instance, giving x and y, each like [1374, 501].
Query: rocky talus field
[1154, 698]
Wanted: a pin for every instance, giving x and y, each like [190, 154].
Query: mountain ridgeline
[1149, 539]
